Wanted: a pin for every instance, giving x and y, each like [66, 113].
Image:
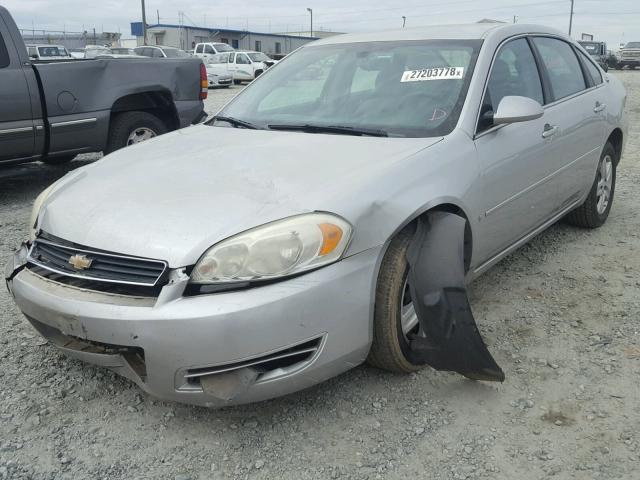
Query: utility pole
[158, 16]
[404, 21]
[310, 10]
[571, 18]
[144, 24]
[515, 19]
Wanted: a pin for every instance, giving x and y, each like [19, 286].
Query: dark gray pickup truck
[54, 111]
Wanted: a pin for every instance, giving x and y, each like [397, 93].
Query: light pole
[310, 10]
[144, 24]
[571, 18]
[404, 21]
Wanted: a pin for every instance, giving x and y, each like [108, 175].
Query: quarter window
[4, 54]
[514, 72]
[594, 72]
[562, 66]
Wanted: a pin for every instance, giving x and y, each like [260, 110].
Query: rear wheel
[129, 128]
[394, 315]
[595, 210]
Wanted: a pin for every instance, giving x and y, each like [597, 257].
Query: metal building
[186, 37]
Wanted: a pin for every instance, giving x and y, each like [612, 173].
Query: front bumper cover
[174, 334]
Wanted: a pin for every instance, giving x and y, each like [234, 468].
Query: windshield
[52, 52]
[223, 47]
[258, 57]
[404, 88]
[175, 53]
[632, 45]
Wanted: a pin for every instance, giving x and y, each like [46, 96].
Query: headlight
[278, 249]
[35, 211]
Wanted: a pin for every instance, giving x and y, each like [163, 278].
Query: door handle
[599, 107]
[549, 131]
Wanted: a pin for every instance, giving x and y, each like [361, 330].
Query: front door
[16, 121]
[515, 159]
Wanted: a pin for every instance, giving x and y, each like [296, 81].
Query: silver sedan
[331, 214]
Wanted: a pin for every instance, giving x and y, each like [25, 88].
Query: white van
[207, 50]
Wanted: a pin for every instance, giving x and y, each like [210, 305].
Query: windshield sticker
[438, 73]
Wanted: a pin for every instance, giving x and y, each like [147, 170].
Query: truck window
[209, 49]
[199, 48]
[4, 54]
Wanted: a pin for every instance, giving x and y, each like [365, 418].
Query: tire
[592, 214]
[237, 82]
[389, 343]
[258, 73]
[125, 124]
[58, 160]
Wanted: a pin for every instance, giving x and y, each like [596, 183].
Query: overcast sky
[614, 21]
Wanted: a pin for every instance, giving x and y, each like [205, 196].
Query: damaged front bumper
[212, 350]
[16, 263]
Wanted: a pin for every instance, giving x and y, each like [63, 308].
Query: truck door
[17, 132]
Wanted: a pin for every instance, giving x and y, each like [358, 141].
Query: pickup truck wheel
[595, 210]
[129, 128]
[237, 82]
[58, 160]
[394, 315]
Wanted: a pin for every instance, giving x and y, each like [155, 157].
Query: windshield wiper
[235, 122]
[331, 129]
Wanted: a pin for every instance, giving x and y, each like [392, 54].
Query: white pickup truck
[243, 66]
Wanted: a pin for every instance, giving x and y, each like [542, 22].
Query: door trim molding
[74, 122]
[16, 130]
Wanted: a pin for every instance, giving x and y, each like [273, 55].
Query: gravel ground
[560, 316]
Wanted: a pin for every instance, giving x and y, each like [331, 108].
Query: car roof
[472, 31]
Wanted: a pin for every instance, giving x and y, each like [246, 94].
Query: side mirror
[514, 109]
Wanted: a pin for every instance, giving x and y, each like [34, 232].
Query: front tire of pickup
[129, 128]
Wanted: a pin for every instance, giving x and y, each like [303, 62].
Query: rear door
[17, 130]
[515, 159]
[576, 111]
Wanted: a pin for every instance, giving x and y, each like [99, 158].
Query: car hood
[173, 197]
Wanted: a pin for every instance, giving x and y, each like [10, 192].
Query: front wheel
[394, 315]
[595, 209]
[129, 128]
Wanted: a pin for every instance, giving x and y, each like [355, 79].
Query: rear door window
[594, 72]
[4, 54]
[562, 65]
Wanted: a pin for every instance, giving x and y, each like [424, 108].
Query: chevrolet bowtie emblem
[80, 262]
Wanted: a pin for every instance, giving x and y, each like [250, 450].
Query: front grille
[98, 266]
[106, 272]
